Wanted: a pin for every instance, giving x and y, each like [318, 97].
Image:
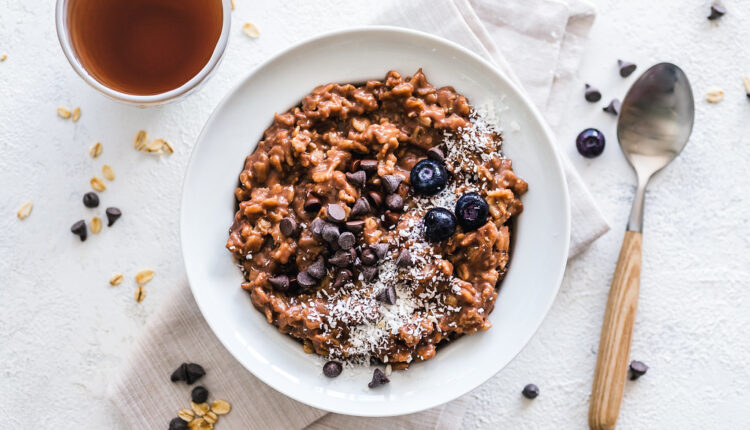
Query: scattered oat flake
[76, 114]
[155, 145]
[251, 30]
[116, 279]
[746, 81]
[5, 56]
[232, 2]
[140, 294]
[108, 173]
[95, 225]
[715, 95]
[140, 140]
[221, 407]
[63, 112]
[211, 417]
[97, 184]
[144, 276]
[96, 150]
[185, 414]
[25, 210]
[167, 147]
[200, 409]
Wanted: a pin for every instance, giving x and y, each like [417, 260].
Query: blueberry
[530, 391]
[428, 177]
[590, 143]
[471, 211]
[439, 224]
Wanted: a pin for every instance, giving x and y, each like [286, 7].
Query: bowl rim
[545, 129]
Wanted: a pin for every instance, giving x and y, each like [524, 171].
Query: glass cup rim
[63, 35]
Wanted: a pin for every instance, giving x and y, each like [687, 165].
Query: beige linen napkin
[538, 44]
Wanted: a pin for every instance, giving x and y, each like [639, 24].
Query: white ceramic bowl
[541, 238]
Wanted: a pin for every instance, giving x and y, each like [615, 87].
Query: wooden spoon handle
[617, 332]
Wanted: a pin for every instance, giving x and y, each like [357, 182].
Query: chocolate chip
[178, 424]
[332, 369]
[347, 240]
[592, 94]
[358, 178]
[381, 249]
[361, 207]
[312, 204]
[344, 276]
[391, 183]
[288, 227]
[194, 372]
[330, 233]
[90, 200]
[394, 202]
[404, 259]
[179, 374]
[335, 212]
[318, 269]
[305, 280]
[369, 166]
[368, 257]
[199, 394]
[378, 379]
[113, 214]
[717, 11]
[376, 197]
[626, 68]
[369, 273]
[341, 259]
[530, 391]
[387, 295]
[613, 107]
[316, 227]
[436, 154]
[390, 218]
[280, 283]
[355, 226]
[637, 369]
[79, 229]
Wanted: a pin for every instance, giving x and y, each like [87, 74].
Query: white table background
[64, 330]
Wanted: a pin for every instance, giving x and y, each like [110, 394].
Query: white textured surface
[64, 330]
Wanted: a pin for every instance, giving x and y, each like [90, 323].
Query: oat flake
[108, 173]
[76, 114]
[140, 140]
[200, 409]
[97, 184]
[221, 407]
[140, 294]
[144, 276]
[116, 279]
[714, 95]
[96, 150]
[63, 112]
[185, 414]
[251, 30]
[25, 210]
[95, 225]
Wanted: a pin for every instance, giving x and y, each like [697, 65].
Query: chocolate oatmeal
[373, 220]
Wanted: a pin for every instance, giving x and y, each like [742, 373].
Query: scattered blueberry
[626, 68]
[439, 224]
[717, 11]
[90, 200]
[332, 369]
[428, 177]
[637, 369]
[592, 94]
[472, 211]
[178, 424]
[530, 391]
[378, 378]
[590, 143]
[199, 394]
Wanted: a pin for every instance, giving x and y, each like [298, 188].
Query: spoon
[655, 122]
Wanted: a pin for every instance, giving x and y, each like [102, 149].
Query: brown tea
[144, 47]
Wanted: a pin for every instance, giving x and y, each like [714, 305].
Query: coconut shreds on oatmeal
[333, 298]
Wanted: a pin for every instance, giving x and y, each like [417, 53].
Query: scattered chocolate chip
[305, 280]
[318, 269]
[194, 372]
[79, 229]
[361, 207]
[347, 240]
[530, 391]
[341, 259]
[404, 259]
[288, 227]
[91, 199]
[592, 94]
[390, 218]
[436, 154]
[369, 166]
[391, 183]
[369, 273]
[335, 212]
[381, 249]
[178, 423]
[378, 379]
[332, 369]
[179, 374]
[199, 394]
[358, 178]
[355, 226]
[387, 295]
[312, 204]
[376, 197]
[113, 214]
[316, 226]
[717, 11]
[280, 283]
[344, 276]
[394, 202]
[626, 68]
[637, 369]
[368, 257]
[330, 233]
[613, 107]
